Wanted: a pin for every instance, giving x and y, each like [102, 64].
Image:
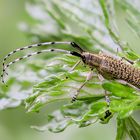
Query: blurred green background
[15, 123]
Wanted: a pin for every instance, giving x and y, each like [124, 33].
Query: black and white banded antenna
[73, 44]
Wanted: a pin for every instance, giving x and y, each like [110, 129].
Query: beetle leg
[137, 60]
[88, 78]
[129, 61]
[101, 78]
[77, 63]
[107, 99]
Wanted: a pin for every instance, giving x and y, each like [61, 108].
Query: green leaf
[121, 130]
[97, 111]
[75, 110]
[127, 128]
[109, 24]
[120, 90]
[56, 123]
[130, 54]
[124, 108]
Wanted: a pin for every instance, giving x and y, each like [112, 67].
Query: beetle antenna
[35, 53]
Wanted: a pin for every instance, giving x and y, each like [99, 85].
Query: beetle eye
[84, 59]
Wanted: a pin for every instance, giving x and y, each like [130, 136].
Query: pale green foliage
[91, 25]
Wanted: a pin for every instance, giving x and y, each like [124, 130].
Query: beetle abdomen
[119, 69]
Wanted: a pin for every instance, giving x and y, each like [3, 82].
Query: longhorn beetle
[107, 66]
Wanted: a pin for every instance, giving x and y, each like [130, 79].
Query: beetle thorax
[91, 59]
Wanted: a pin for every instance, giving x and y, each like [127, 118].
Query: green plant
[47, 74]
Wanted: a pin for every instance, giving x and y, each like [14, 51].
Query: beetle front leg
[88, 78]
[77, 63]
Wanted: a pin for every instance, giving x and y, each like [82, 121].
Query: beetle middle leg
[107, 98]
[101, 78]
[88, 78]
